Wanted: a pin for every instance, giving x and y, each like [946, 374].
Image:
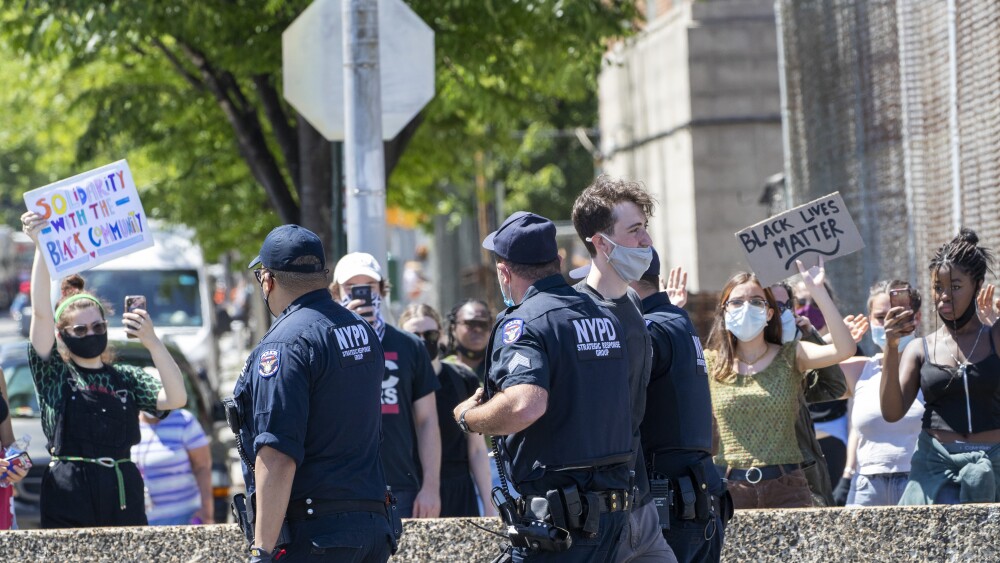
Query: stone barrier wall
[938, 533]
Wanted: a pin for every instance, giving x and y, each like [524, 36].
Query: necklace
[962, 365]
[963, 370]
[750, 365]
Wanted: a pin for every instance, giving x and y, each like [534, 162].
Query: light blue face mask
[507, 301]
[878, 337]
[789, 330]
[746, 322]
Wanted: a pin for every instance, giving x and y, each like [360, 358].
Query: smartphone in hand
[133, 302]
[16, 460]
[900, 297]
[362, 292]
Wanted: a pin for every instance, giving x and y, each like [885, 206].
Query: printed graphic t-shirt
[408, 377]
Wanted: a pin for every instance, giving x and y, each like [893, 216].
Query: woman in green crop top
[755, 382]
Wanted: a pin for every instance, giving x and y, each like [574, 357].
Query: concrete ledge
[937, 533]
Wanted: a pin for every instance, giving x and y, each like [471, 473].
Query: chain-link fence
[896, 103]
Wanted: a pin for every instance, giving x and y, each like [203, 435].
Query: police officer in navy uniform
[557, 390]
[308, 416]
[677, 429]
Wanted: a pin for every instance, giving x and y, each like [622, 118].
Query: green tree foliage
[189, 92]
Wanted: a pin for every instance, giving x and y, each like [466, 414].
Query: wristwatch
[462, 423]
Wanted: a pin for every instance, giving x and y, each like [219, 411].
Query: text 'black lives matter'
[596, 339]
[353, 342]
[820, 228]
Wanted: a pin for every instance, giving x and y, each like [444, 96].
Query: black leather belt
[312, 508]
[607, 501]
[758, 474]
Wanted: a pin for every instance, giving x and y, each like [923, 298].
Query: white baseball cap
[357, 264]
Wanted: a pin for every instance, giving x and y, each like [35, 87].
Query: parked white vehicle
[171, 274]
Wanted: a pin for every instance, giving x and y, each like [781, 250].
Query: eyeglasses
[475, 325]
[734, 304]
[432, 335]
[99, 327]
[784, 305]
[259, 274]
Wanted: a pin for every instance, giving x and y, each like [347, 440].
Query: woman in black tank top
[958, 370]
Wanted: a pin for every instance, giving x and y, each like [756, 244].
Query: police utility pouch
[245, 514]
[239, 508]
[663, 497]
[686, 506]
[703, 500]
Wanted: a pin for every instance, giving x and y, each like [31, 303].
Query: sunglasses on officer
[79, 331]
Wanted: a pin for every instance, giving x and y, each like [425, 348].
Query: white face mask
[629, 263]
[789, 330]
[746, 322]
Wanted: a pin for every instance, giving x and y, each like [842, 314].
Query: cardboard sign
[93, 217]
[822, 227]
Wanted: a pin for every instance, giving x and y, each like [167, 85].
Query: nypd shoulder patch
[512, 331]
[268, 364]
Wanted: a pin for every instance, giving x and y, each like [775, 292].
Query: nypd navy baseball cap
[287, 243]
[654, 266]
[524, 238]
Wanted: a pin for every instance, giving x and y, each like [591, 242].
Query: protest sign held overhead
[822, 227]
[92, 218]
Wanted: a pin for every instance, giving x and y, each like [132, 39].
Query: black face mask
[970, 312]
[473, 355]
[433, 348]
[86, 347]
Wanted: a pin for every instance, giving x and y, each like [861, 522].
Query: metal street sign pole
[364, 161]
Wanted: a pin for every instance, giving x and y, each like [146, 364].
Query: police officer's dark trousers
[92, 480]
[343, 537]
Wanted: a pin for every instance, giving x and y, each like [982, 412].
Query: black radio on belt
[663, 498]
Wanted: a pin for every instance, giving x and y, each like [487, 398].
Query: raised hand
[987, 306]
[31, 224]
[813, 277]
[677, 287]
[858, 325]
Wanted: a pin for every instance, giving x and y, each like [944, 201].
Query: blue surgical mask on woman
[879, 338]
[789, 330]
[746, 322]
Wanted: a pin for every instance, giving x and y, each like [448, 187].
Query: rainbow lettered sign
[93, 217]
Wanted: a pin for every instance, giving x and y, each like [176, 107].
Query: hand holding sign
[813, 277]
[88, 219]
[31, 224]
[822, 227]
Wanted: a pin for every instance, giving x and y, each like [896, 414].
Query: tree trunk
[316, 177]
